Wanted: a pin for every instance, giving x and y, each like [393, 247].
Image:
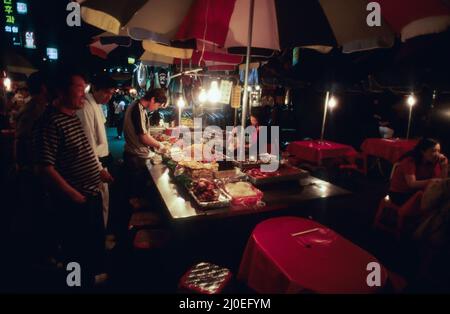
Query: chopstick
[305, 232]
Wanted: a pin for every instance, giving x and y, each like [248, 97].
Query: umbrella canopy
[282, 24]
[156, 20]
[97, 48]
[412, 18]
[216, 59]
[15, 63]
[277, 24]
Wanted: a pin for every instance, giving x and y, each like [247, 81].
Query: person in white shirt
[120, 114]
[93, 122]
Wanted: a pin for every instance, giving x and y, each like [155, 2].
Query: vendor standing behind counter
[138, 141]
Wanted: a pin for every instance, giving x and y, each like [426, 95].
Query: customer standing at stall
[119, 111]
[138, 141]
[27, 117]
[93, 122]
[68, 163]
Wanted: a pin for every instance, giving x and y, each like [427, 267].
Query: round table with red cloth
[388, 149]
[317, 151]
[321, 261]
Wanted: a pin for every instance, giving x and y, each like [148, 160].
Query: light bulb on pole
[411, 101]
[214, 92]
[203, 96]
[180, 104]
[330, 103]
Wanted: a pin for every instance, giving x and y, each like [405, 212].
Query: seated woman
[416, 169]
[257, 119]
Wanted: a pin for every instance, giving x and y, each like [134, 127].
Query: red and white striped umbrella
[412, 18]
[282, 24]
[156, 21]
[277, 24]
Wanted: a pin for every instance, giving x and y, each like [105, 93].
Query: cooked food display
[283, 174]
[240, 189]
[197, 165]
[257, 173]
[197, 169]
[205, 190]
[199, 152]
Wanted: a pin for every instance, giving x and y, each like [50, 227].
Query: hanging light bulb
[411, 100]
[203, 96]
[214, 92]
[257, 88]
[181, 103]
[332, 103]
[87, 88]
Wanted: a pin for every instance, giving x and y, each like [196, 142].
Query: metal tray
[223, 201]
[247, 165]
[286, 174]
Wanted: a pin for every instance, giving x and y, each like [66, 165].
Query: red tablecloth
[8, 132]
[316, 151]
[274, 261]
[389, 149]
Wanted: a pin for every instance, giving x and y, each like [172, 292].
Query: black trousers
[82, 235]
[120, 121]
[399, 198]
[136, 174]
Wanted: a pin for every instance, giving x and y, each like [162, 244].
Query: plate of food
[207, 194]
[284, 173]
[243, 193]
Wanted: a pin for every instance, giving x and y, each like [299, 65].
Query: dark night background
[48, 20]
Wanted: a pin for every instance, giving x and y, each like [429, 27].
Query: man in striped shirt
[68, 163]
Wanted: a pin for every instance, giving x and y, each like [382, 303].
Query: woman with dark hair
[257, 119]
[416, 169]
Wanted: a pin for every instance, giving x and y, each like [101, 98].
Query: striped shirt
[60, 141]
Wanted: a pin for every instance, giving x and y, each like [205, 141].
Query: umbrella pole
[247, 66]
[181, 92]
[409, 122]
[325, 109]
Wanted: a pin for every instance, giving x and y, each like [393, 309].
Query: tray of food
[230, 175]
[243, 193]
[283, 174]
[197, 169]
[207, 194]
[253, 162]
